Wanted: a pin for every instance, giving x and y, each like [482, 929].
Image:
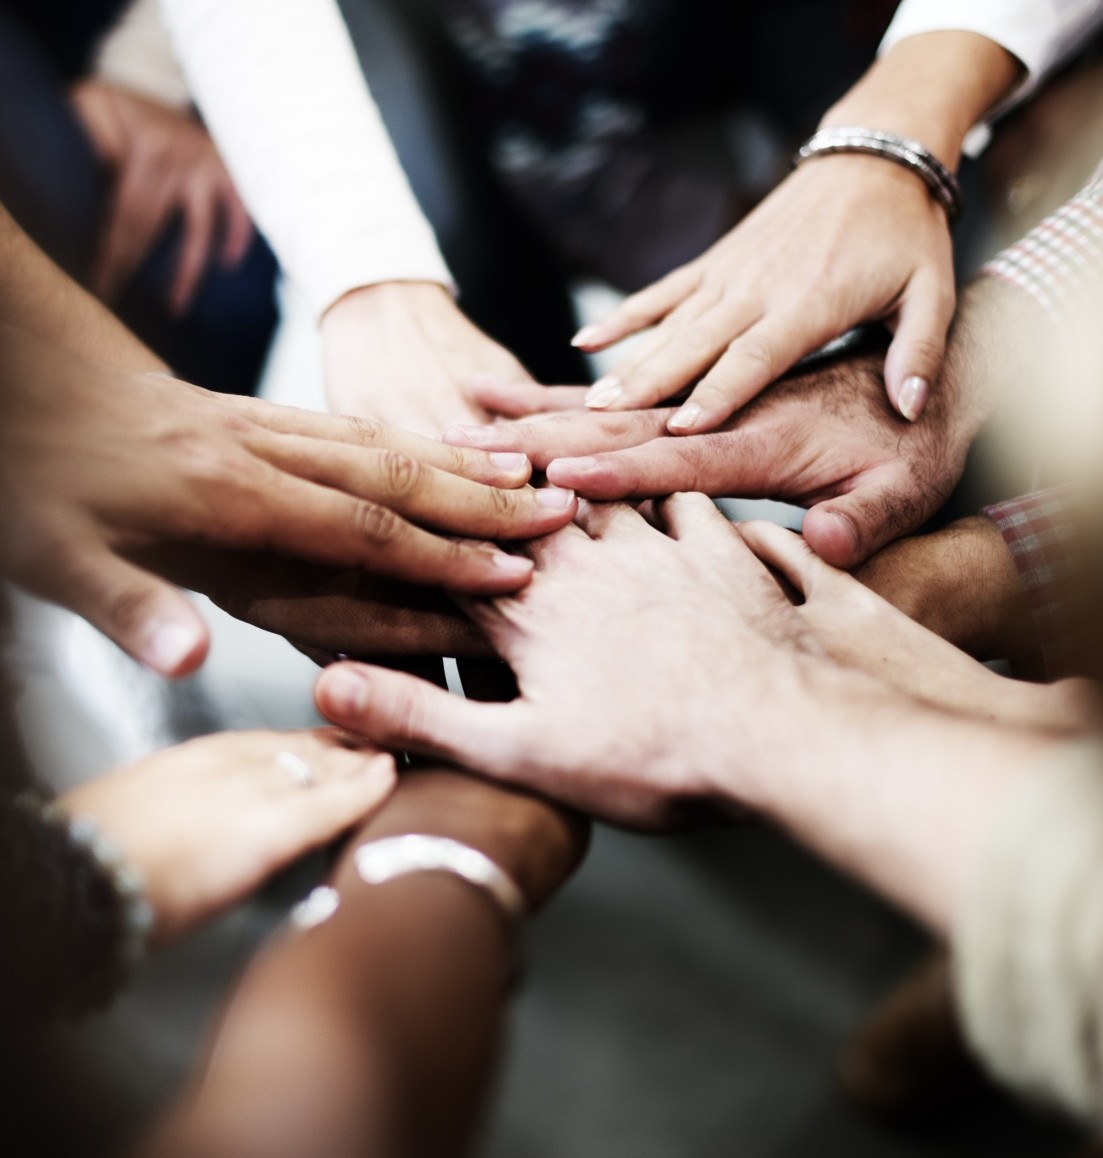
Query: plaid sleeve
[1061, 257]
[1039, 532]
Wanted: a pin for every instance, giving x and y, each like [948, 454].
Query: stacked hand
[99, 463]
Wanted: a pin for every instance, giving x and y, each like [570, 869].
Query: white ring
[298, 769]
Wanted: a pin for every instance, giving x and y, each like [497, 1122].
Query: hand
[826, 440]
[404, 353]
[163, 165]
[97, 462]
[628, 648]
[861, 630]
[960, 582]
[842, 240]
[207, 822]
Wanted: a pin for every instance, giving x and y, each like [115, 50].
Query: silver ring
[297, 768]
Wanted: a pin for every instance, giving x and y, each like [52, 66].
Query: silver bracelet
[383, 860]
[913, 155]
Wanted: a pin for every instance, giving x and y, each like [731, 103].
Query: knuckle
[756, 353]
[403, 474]
[367, 431]
[376, 524]
[502, 502]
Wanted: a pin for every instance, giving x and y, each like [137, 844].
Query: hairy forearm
[933, 87]
[36, 296]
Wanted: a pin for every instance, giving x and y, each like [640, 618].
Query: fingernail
[510, 462]
[555, 498]
[467, 435]
[512, 564]
[571, 465]
[686, 418]
[848, 529]
[346, 692]
[604, 392]
[913, 397]
[587, 336]
[168, 644]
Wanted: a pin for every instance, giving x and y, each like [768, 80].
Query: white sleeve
[137, 55]
[281, 90]
[1041, 33]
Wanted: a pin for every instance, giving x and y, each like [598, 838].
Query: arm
[282, 92]
[795, 273]
[390, 1012]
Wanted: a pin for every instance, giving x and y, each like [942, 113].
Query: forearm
[36, 296]
[389, 1011]
[934, 87]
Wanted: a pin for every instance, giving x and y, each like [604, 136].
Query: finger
[195, 249]
[682, 353]
[787, 553]
[313, 522]
[152, 621]
[757, 357]
[639, 311]
[401, 711]
[846, 530]
[611, 521]
[714, 464]
[914, 359]
[694, 518]
[563, 435]
[138, 212]
[237, 230]
[508, 469]
[421, 494]
[520, 399]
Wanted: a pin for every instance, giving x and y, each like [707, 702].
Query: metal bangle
[383, 860]
[913, 155]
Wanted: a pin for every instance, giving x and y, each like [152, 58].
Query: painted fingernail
[686, 418]
[913, 397]
[346, 692]
[169, 643]
[511, 564]
[604, 392]
[510, 462]
[555, 498]
[587, 336]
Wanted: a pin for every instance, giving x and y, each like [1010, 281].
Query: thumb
[150, 619]
[914, 359]
[397, 710]
[845, 531]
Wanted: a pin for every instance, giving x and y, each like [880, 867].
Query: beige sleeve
[137, 55]
[1029, 943]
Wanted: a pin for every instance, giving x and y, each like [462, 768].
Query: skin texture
[795, 273]
[713, 663]
[404, 353]
[389, 1012]
[209, 821]
[98, 462]
[827, 440]
[162, 165]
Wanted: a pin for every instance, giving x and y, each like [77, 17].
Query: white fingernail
[587, 336]
[686, 418]
[913, 397]
[168, 643]
[604, 392]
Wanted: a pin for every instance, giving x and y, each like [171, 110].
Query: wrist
[932, 87]
[384, 302]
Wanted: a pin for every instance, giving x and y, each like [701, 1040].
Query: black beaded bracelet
[73, 915]
[913, 155]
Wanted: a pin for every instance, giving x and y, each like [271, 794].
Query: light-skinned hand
[97, 462]
[209, 821]
[404, 353]
[163, 165]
